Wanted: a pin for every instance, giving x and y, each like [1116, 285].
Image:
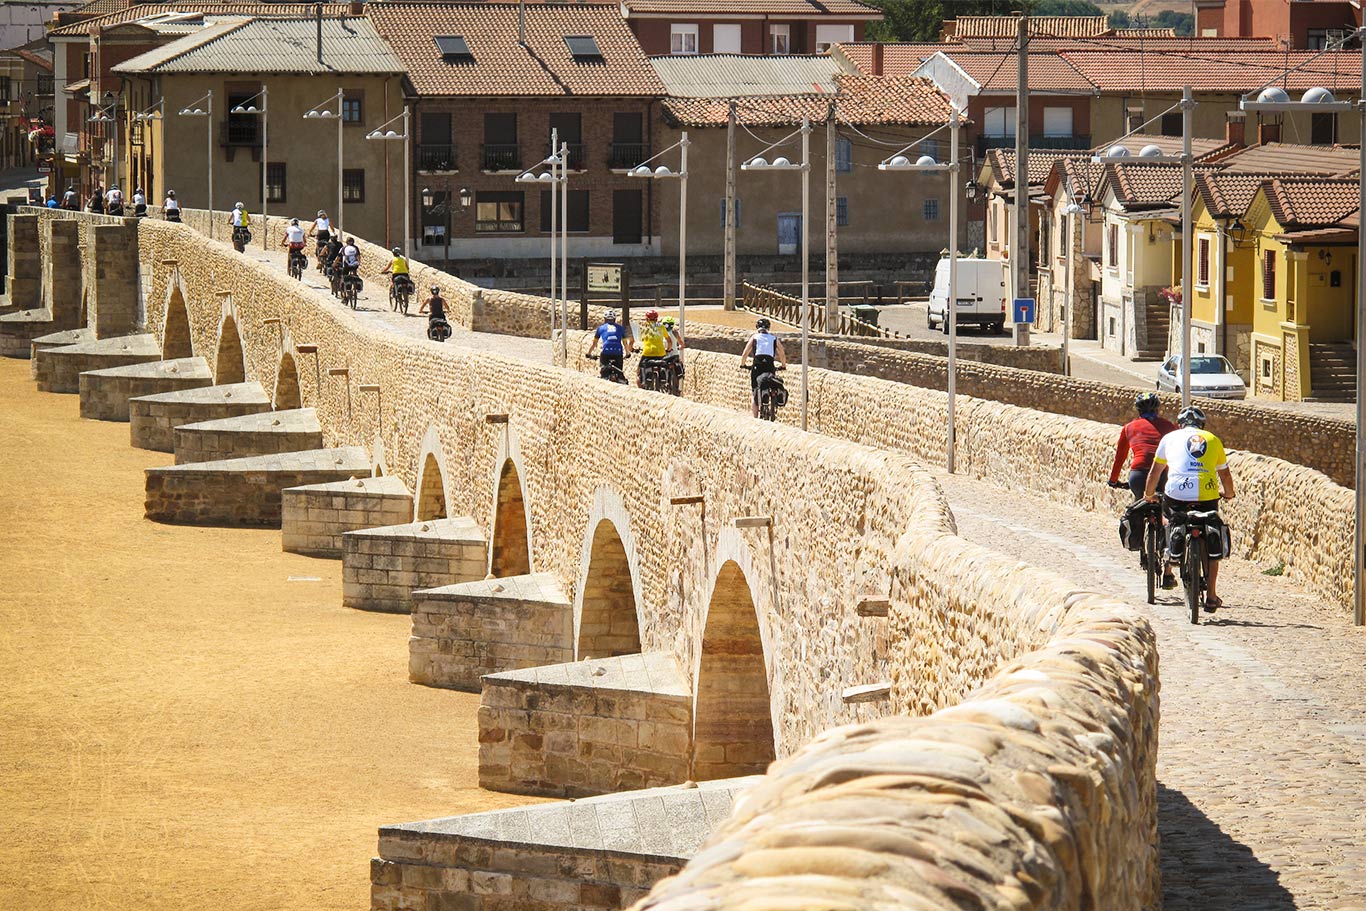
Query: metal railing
[244, 132]
[787, 309]
[435, 157]
[1074, 141]
[625, 155]
[501, 156]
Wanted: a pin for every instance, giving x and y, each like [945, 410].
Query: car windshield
[1212, 364]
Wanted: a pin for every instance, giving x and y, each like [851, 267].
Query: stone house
[484, 107]
[1071, 180]
[1302, 233]
[237, 59]
[1301, 25]
[746, 26]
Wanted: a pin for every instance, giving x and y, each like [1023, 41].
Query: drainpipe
[1221, 288]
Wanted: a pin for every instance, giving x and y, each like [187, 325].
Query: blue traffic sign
[1023, 310]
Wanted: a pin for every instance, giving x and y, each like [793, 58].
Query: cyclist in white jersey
[762, 350]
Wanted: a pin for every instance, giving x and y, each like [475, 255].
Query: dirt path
[181, 725]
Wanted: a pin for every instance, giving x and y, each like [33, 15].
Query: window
[1112, 255]
[930, 147]
[1268, 275]
[1202, 262]
[999, 122]
[498, 212]
[739, 212]
[842, 210]
[844, 155]
[578, 211]
[627, 224]
[583, 48]
[353, 185]
[501, 151]
[434, 129]
[453, 48]
[827, 35]
[1323, 129]
[1171, 124]
[85, 66]
[1060, 234]
[353, 106]
[5, 88]
[725, 39]
[275, 181]
[1057, 122]
[930, 209]
[780, 39]
[682, 39]
[44, 83]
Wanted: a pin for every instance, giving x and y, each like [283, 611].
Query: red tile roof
[1009, 26]
[1227, 73]
[503, 68]
[802, 9]
[143, 10]
[1144, 185]
[860, 100]
[1289, 158]
[1082, 176]
[1128, 44]
[1227, 194]
[897, 58]
[996, 72]
[1302, 202]
[1145, 33]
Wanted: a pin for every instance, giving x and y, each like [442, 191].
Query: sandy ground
[186, 720]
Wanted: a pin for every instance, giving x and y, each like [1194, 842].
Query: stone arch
[287, 393]
[431, 501]
[733, 731]
[175, 322]
[510, 546]
[607, 603]
[230, 365]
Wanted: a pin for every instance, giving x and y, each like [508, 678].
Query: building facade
[746, 26]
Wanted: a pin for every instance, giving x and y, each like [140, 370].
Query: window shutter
[1269, 275]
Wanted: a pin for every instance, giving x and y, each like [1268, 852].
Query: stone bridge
[653, 592]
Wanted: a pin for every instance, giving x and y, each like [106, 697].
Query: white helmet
[610, 316]
[239, 206]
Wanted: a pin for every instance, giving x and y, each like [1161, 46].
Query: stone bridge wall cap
[754, 522]
[869, 692]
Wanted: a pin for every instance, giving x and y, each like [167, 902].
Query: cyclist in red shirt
[1140, 436]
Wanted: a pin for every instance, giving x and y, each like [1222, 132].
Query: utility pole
[1019, 255]
[728, 251]
[832, 253]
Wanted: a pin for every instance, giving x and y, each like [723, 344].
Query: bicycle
[772, 393]
[350, 289]
[1150, 551]
[438, 330]
[400, 291]
[609, 371]
[654, 375]
[240, 238]
[297, 264]
[1191, 529]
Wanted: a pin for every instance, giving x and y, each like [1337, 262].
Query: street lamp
[926, 164]
[246, 107]
[558, 180]
[382, 135]
[662, 172]
[759, 163]
[194, 110]
[103, 115]
[320, 112]
[1321, 101]
[155, 112]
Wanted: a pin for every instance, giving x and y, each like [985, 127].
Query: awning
[77, 87]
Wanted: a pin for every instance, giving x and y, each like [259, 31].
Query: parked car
[1212, 377]
[983, 292]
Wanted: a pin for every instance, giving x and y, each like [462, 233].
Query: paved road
[1262, 782]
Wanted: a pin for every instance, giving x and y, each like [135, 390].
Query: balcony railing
[503, 156]
[577, 161]
[240, 133]
[432, 157]
[625, 155]
[1075, 141]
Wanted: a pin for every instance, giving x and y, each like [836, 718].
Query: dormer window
[454, 48]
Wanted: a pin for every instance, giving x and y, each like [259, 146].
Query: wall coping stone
[655, 672]
[346, 458]
[195, 368]
[458, 528]
[381, 486]
[537, 588]
[250, 393]
[295, 420]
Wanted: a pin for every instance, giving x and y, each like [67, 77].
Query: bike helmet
[761, 324]
[351, 241]
[294, 222]
[239, 206]
[170, 194]
[396, 251]
[610, 316]
[322, 214]
[137, 189]
[1146, 402]
[436, 289]
[1191, 417]
[651, 315]
[669, 321]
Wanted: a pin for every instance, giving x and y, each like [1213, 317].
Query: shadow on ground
[1204, 869]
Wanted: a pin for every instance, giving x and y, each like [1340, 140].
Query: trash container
[865, 313]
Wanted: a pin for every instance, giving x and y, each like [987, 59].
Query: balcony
[577, 162]
[626, 155]
[501, 156]
[240, 134]
[435, 158]
[1075, 141]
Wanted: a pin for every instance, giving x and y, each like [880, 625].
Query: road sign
[1023, 310]
[44, 169]
[604, 277]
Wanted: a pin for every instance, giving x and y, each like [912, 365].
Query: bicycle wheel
[1195, 575]
[1153, 560]
[766, 409]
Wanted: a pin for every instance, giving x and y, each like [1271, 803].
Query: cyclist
[1141, 436]
[96, 201]
[762, 350]
[398, 268]
[655, 344]
[294, 238]
[350, 255]
[321, 229]
[113, 201]
[1196, 469]
[435, 308]
[172, 207]
[139, 202]
[70, 199]
[613, 339]
[675, 356]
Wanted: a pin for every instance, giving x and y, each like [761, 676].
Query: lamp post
[926, 163]
[320, 112]
[153, 113]
[263, 112]
[759, 163]
[663, 172]
[557, 177]
[194, 110]
[382, 135]
[105, 115]
[1071, 211]
[1321, 101]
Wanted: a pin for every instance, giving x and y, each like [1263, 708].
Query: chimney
[1235, 127]
[1133, 119]
[877, 59]
[1268, 132]
[357, 8]
[318, 10]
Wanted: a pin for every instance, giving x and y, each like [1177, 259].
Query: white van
[983, 294]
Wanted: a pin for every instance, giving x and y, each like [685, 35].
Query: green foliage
[923, 20]
[1277, 570]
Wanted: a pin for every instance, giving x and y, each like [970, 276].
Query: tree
[923, 20]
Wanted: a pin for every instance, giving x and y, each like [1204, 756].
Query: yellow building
[1302, 236]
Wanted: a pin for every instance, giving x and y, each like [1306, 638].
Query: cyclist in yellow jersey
[398, 269]
[654, 344]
